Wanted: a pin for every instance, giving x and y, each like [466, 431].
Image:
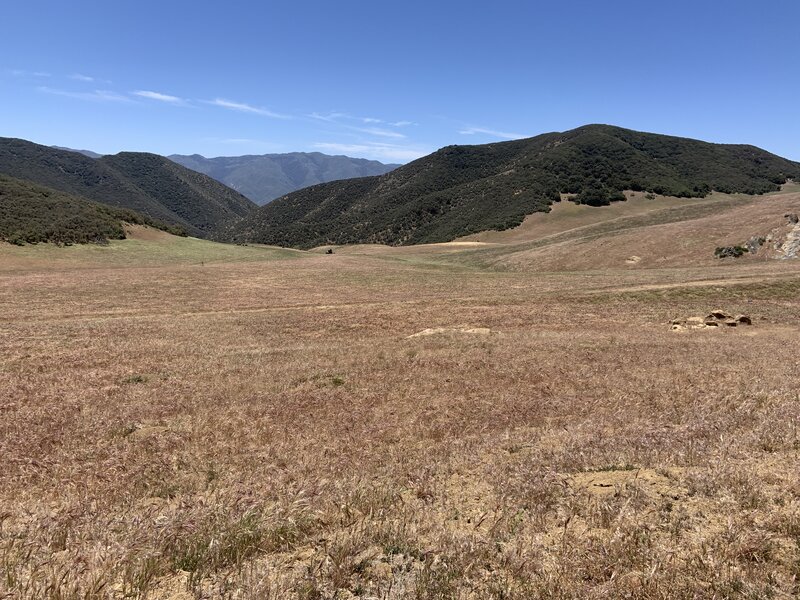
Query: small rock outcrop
[783, 242]
[790, 248]
[714, 320]
[754, 244]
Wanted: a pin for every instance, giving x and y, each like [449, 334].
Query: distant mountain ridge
[262, 178]
[88, 153]
[146, 183]
[460, 190]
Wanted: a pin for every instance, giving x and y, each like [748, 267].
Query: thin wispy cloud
[376, 151]
[23, 73]
[330, 117]
[492, 132]
[395, 146]
[337, 117]
[158, 96]
[347, 121]
[247, 108]
[389, 123]
[80, 77]
[380, 132]
[94, 96]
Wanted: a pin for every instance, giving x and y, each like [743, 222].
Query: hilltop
[262, 178]
[146, 183]
[30, 213]
[460, 190]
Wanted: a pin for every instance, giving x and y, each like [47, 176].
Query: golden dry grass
[180, 420]
[665, 232]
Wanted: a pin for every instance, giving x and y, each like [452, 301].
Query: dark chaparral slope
[460, 190]
[146, 183]
[30, 214]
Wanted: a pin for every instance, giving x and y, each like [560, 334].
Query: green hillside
[195, 198]
[146, 183]
[30, 214]
[460, 190]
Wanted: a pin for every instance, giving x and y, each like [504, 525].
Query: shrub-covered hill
[460, 190]
[146, 183]
[30, 213]
[195, 198]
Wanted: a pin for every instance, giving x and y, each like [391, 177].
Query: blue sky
[393, 80]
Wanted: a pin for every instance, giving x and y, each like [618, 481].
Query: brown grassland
[182, 419]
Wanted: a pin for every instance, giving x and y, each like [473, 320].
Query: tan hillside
[641, 233]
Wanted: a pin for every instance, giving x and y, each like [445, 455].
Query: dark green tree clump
[30, 214]
[460, 190]
[730, 251]
[598, 195]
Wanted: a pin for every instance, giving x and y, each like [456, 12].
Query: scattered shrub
[729, 251]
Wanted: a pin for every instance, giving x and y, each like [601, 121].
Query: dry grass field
[181, 419]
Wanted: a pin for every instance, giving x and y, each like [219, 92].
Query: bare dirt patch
[144, 233]
[611, 480]
[446, 330]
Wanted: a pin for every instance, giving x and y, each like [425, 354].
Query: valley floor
[182, 419]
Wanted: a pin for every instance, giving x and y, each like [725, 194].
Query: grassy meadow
[181, 419]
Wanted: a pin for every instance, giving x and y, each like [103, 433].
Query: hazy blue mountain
[262, 178]
[88, 153]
